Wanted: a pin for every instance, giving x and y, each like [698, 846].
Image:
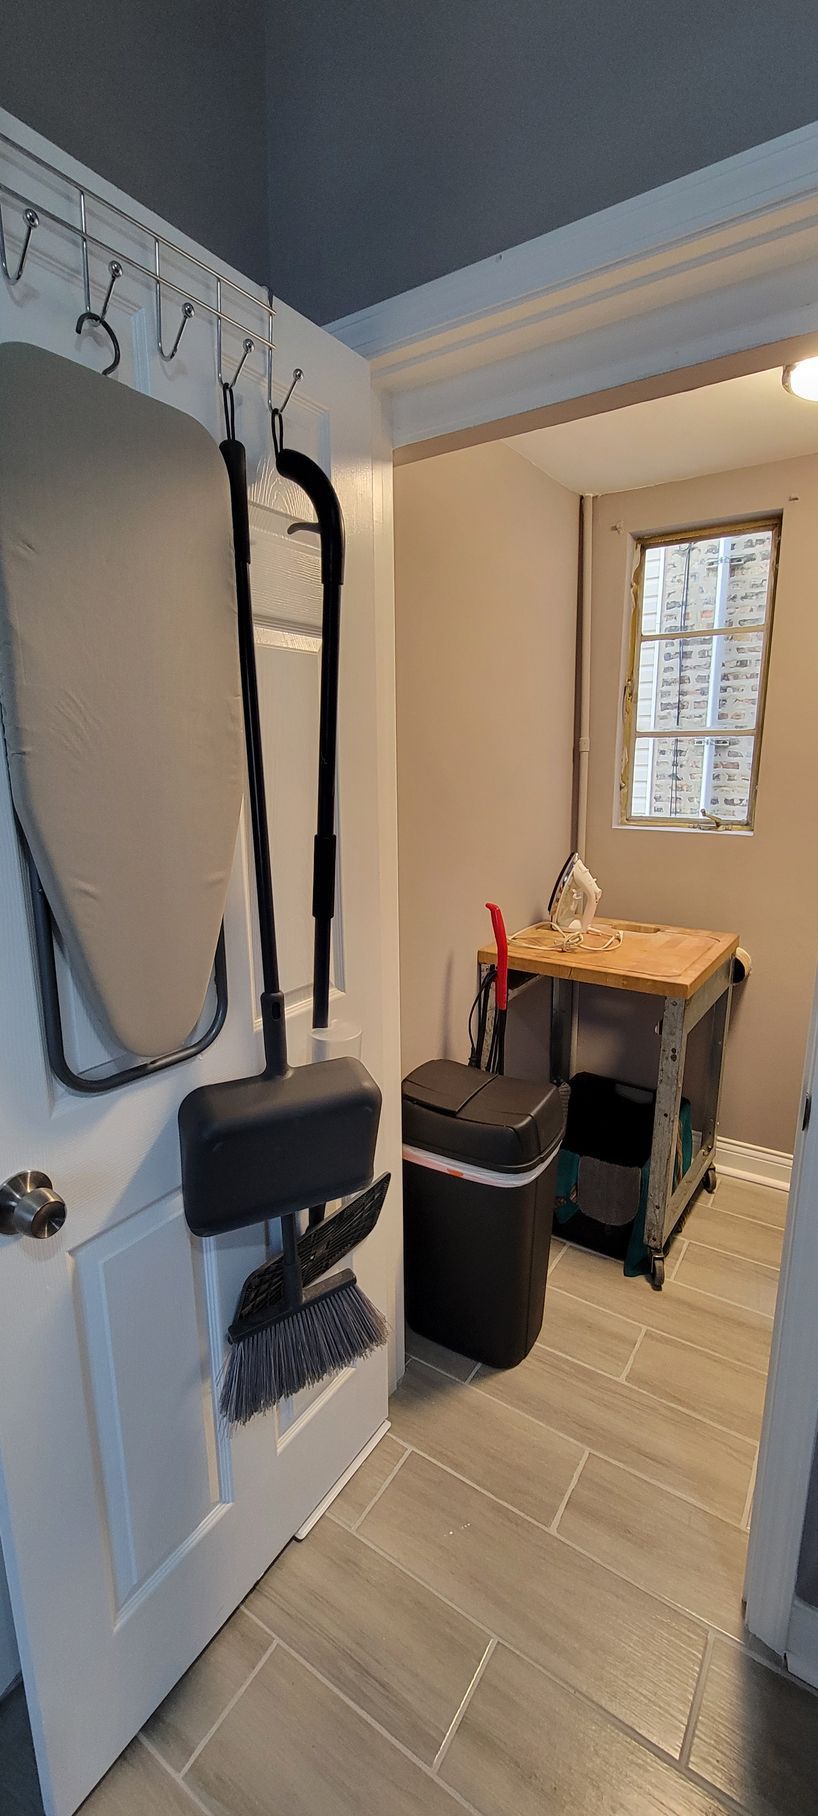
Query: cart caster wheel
[710, 1179]
[657, 1272]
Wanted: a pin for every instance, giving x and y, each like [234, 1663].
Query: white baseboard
[802, 1643]
[761, 1166]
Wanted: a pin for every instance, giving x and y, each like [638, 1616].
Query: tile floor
[528, 1600]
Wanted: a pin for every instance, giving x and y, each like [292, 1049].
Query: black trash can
[479, 1171]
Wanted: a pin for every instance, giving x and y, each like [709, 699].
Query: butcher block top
[658, 961]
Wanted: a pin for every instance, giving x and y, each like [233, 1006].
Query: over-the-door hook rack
[93, 239]
[98, 319]
[32, 220]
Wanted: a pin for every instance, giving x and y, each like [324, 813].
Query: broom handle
[272, 1002]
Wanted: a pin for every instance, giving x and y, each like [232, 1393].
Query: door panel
[154, 1425]
[131, 1522]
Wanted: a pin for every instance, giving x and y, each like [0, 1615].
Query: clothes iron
[575, 897]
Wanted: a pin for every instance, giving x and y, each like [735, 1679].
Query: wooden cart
[691, 970]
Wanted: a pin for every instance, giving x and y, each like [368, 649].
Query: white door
[791, 1405]
[130, 1523]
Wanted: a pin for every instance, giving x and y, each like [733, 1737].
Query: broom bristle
[298, 1349]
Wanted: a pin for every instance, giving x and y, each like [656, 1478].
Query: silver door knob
[29, 1206]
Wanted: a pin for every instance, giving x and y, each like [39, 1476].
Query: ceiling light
[801, 379]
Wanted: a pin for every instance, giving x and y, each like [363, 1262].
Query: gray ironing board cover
[119, 684]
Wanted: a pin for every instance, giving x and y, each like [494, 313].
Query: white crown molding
[717, 262]
[762, 177]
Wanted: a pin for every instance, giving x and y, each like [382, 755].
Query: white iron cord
[579, 941]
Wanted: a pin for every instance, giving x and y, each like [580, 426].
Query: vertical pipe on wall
[584, 632]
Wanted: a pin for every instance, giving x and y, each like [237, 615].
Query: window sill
[717, 832]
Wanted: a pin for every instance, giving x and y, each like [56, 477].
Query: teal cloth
[637, 1258]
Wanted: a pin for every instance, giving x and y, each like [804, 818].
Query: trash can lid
[464, 1114]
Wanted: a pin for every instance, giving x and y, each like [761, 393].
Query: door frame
[710, 277]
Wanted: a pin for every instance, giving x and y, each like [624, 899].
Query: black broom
[285, 1336]
[254, 1379]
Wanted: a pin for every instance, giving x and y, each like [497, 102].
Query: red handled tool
[497, 1051]
[496, 979]
[501, 942]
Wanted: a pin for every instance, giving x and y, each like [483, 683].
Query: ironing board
[691, 970]
[121, 698]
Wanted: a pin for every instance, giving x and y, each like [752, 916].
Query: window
[694, 697]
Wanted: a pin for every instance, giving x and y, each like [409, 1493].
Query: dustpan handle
[272, 1002]
[305, 472]
[324, 850]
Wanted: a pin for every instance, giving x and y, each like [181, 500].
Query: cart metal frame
[667, 1206]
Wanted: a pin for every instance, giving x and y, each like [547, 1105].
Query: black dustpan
[256, 1148]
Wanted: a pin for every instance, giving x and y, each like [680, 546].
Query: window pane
[706, 582]
[691, 778]
[667, 778]
[748, 579]
[728, 795]
[674, 684]
[685, 586]
[688, 683]
[739, 679]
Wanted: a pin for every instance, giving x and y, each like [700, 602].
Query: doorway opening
[527, 730]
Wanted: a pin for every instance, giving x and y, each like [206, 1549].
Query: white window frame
[724, 532]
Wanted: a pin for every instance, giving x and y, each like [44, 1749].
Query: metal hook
[116, 272]
[99, 320]
[188, 312]
[248, 344]
[228, 386]
[32, 220]
[296, 380]
[277, 413]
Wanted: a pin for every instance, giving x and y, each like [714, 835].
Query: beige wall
[485, 568]
[722, 880]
